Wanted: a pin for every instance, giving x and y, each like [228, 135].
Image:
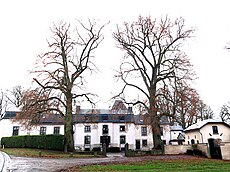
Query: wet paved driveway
[24, 164]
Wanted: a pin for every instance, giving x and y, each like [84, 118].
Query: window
[161, 131]
[43, 131]
[144, 143]
[86, 118]
[122, 128]
[104, 117]
[87, 129]
[87, 140]
[56, 130]
[15, 130]
[215, 129]
[144, 131]
[122, 118]
[122, 140]
[105, 129]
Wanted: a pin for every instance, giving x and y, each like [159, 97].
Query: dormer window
[122, 118]
[104, 117]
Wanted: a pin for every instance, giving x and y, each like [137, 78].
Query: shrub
[52, 142]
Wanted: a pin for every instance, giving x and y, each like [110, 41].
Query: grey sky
[25, 28]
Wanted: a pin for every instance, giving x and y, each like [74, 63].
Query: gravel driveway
[25, 164]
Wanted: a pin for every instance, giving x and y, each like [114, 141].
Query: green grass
[44, 153]
[163, 166]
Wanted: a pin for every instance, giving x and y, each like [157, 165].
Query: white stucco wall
[223, 132]
[206, 133]
[96, 133]
[6, 129]
[132, 133]
[166, 133]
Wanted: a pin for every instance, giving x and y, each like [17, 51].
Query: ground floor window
[87, 140]
[43, 131]
[122, 139]
[56, 130]
[144, 143]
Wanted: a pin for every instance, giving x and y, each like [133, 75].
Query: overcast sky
[25, 28]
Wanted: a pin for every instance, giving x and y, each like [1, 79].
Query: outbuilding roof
[200, 124]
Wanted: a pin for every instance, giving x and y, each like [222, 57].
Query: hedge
[51, 142]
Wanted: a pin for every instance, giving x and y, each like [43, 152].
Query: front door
[105, 140]
[138, 144]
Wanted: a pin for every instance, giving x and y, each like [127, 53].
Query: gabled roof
[201, 124]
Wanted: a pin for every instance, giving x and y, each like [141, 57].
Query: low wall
[177, 149]
[204, 148]
[225, 150]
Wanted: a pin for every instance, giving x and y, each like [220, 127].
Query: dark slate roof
[104, 115]
[117, 114]
[140, 119]
[51, 119]
[9, 114]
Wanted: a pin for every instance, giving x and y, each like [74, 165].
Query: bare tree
[153, 55]
[180, 103]
[60, 72]
[205, 111]
[3, 104]
[224, 113]
[15, 96]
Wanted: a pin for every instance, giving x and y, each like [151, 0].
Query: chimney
[78, 108]
[130, 110]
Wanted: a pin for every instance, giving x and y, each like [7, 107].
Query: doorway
[138, 144]
[214, 149]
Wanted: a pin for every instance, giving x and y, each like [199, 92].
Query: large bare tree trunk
[155, 125]
[69, 141]
[154, 119]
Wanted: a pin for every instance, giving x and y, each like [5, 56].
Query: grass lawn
[44, 153]
[163, 165]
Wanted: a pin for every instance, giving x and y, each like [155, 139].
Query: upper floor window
[105, 129]
[122, 128]
[215, 129]
[43, 131]
[15, 130]
[87, 129]
[144, 131]
[56, 130]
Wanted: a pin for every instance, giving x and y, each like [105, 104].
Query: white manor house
[93, 127]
